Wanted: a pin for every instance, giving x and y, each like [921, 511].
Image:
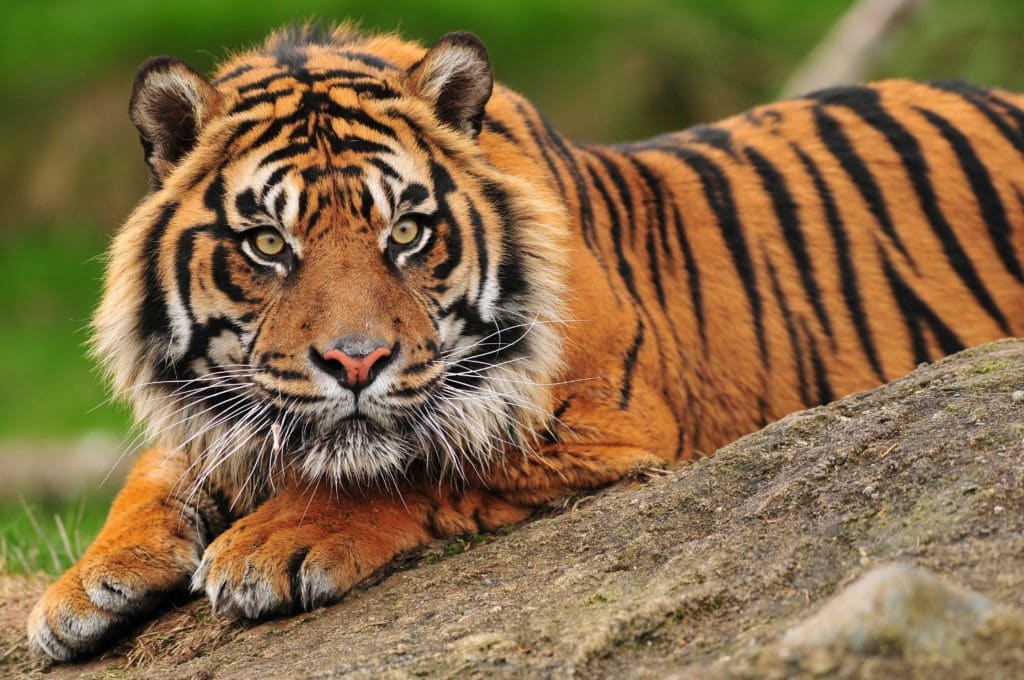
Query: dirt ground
[704, 571]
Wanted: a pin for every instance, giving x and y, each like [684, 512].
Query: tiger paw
[105, 591]
[255, 570]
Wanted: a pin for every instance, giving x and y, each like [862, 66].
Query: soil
[735, 566]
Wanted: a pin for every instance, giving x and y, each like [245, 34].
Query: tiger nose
[356, 361]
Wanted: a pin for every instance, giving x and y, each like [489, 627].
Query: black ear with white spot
[455, 78]
[170, 104]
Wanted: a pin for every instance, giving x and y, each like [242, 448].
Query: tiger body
[351, 382]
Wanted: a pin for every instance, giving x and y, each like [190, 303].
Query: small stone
[1018, 395]
[895, 607]
[819, 662]
[998, 509]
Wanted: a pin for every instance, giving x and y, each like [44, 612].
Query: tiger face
[329, 279]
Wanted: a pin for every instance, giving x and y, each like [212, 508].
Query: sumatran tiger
[373, 299]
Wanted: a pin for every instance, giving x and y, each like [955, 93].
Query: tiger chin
[373, 299]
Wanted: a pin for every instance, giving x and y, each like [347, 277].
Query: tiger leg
[560, 469]
[148, 547]
[307, 547]
[599, 444]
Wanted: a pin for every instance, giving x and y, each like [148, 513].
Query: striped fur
[567, 314]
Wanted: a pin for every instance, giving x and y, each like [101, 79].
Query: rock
[897, 609]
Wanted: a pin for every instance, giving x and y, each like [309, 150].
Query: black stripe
[443, 186]
[354, 115]
[542, 146]
[274, 179]
[366, 205]
[233, 73]
[304, 78]
[511, 274]
[183, 256]
[653, 184]
[414, 194]
[788, 216]
[915, 313]
[794, 338]
[586, 213]
[630, 366]
[248, 103]
[369, 59]
[294, 570]
[273, 131]
[844, 263]
[153, 318]
[692, 274]
[825, 393]
[213, 200]
[980, 100]
[625, 195]
[831, 134]
[615, 231]
[992, 211]
[1011, 110]
[222, 277]
[352, 144]
[245, 203]
[283, 374]
[420, 367]
[491, 125]
[417, 134]
[300, 214]
[417, 390]
[652, 262]
[718, 194]
[386, 169]
[714, 136]
[283, 153]
[279, 205]
[480, 239]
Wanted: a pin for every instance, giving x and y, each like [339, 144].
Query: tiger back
[374, 299]
[796, 253]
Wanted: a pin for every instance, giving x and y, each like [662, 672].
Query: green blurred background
[70, 167]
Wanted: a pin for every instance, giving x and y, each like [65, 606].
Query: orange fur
[605, 308]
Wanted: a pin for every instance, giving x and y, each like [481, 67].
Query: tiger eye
[405, 231]
[268, 242]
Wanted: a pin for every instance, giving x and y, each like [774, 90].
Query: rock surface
[879, 536]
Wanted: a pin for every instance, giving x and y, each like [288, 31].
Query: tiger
[373, 299]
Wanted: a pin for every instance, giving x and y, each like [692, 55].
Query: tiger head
[329, 278]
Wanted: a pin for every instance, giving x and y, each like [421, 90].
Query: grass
[48, 535]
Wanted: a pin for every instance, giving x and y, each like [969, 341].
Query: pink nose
[357, 366]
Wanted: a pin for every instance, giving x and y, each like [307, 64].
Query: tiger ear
[170, 104]
[455, 78]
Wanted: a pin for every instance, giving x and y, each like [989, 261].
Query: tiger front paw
[106, 590]
[259, 569]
